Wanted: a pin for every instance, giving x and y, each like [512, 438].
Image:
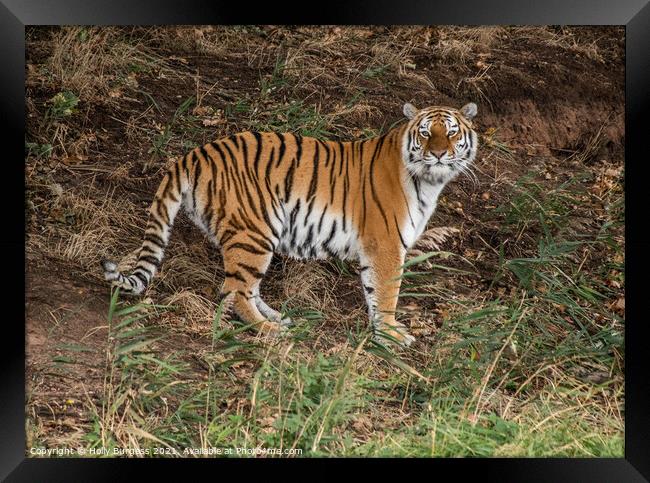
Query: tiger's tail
[168, 200]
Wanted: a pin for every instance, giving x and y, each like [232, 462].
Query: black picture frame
[634, 14]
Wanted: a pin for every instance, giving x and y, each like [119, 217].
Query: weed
[294, 116]
[164, 135]
[241, 106]
[275, 81]
[374, 72]
[137, 383]
[491, 139]
[534, 208]
[41, 151]
[62, 105]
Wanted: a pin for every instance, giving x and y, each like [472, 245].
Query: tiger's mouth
[440, 162]
[439, 170]
[451, 164]
[435, 171]
[440, 167]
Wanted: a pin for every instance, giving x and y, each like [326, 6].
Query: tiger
[256, 194]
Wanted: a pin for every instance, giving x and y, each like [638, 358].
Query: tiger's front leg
[381, 276]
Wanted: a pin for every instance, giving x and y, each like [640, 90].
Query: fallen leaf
[131, 80]
[202, 111]
[74, 160]
[212, 122]
[411, 307]
[619, 306]
[420, 328]
[561, 308]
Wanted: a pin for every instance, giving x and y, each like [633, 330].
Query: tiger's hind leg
[244, 266]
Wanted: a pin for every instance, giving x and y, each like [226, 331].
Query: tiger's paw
[271, 329]
[394, 334]
[126, 286]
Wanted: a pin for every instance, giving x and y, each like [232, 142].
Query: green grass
[375, 72]
[276, 110]
[534, 207]
[497, 382]
[293, 116]
[241, 106]
[181, 122]
[490, 139]
[275, 81]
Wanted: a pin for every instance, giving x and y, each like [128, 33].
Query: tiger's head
[439, 141]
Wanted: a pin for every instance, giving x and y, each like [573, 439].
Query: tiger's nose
[439, 153]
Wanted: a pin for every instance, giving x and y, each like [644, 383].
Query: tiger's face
[439, 141]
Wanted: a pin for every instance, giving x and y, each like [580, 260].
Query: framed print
[392, 236]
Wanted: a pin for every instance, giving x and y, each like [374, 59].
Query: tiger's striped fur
[256, 194]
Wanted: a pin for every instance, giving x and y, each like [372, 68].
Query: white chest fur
[422, 201]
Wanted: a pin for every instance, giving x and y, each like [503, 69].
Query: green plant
[375, 72]
[535, 208]
[242, 105]
[62, 105]
[294, 117]
[275, 81]
[41, 151]
[137, 383]
[162, 138]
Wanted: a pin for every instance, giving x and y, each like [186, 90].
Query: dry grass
[565, 39]
[88, 226]
[466, 43]
[195, 310]
[475, 86]
[191, 266]
[208, 40]
[92, 61]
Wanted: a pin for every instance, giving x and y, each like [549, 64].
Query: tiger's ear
[469, 111]
[410, 110]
